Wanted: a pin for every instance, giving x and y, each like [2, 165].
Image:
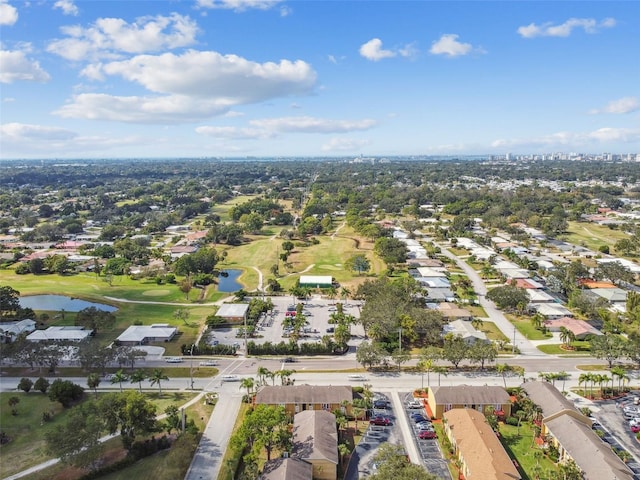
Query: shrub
[512, 421]
[25, 384]
[42, 385]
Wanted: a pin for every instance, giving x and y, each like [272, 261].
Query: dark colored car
[383, 404]
[289, 360]
[380, 420]
[419, 418]
[426, 435]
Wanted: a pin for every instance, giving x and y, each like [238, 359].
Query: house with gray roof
[298, 398]
[315, 440]
[571, 433]
[287, 469]
[60, 334]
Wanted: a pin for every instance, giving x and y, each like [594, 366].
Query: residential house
[466, 331]
[551, 311]
[442, 399]
[571, 433]
[315, 440]
[144, 334]
[298, 398]
[476, 446]
[580, 328]
[60, 334]
[451, 312]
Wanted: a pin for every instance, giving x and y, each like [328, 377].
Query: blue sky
[234, 78]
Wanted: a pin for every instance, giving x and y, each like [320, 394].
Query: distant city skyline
[271, 78]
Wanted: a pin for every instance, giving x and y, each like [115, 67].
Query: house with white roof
[60, 334]
[143, 334]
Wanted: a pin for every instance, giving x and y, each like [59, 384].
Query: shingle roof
[594, 457]
[276, 395]
[469, 395]
[547, 397]
[480, 449]
[287, 469]
[315, 436]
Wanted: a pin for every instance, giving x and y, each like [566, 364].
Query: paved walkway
[207, 460]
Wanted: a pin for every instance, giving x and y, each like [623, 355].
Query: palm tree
[426, 366]
[564, 336]
[157, 376]
[343, 451]
[477, 323]
[618, 372]
[119, 377]
[583, 378]
[247, 383]
[502, 369]
[263, 373]
[138, 376]
[344, 294]
[93, 380]
[440, 370]
[603, 380]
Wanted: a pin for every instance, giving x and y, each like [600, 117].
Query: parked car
[422, 426]
[382, 404]
[380, 420]
[419, 418]
[427, 434]
[331, 329]
[635, 428]
[414, 404]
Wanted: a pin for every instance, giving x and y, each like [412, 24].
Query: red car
[379, 420]
[635, 428]
[426, 435]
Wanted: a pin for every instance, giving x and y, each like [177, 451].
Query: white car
[230, 378]
[173, 360]
[209, 363]
[357, 378]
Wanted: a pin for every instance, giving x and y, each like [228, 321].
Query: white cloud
[8, 100]
[110, 37]
[344, 145]
[8, 13]
[372, 50]
[449, 45]
[622, 105]
[16, 66]
[238, 5]
[589, 25]
[235, 133]
[22, 131]
[67, 7]
[285, 11]
[193, 86]
[573, 139]
[313, 125]
[167, 109]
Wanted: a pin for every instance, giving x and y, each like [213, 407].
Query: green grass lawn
[529, 331]
[580, 348]
[592, 235]
[27, 430]
[522, 448]
[493, 332]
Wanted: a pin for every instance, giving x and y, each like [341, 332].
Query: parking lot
[270, 326]
[613, 419]
[429, 449]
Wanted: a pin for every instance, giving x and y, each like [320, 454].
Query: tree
[391, 250]
[502, 369]
[93, 381]
[508, 297]
[358, 263]
[41, 384]
[248, 383]
[157, 377]
[9, 302]
[369, 354]
[400, 356]
[77, 441]
[173, 419]
[25, 384]
[138, 376]
[13, 405]
[130, 413]
[482, 352]
[65, 391]
[182, 314]
[94, 319]
[119, 377]
[608, 347]
[287, 246]
[265, 427]
[454, 349]
[392, 462]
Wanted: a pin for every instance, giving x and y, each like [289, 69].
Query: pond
[61, 302]
[228, 281]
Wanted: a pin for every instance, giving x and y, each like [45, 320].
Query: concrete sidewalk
[207, 460]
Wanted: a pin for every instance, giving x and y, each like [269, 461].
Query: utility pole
[191, 366]
[513, 347]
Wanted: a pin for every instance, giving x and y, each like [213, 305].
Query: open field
[27, 429]
[592, 235]
[528, 455]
